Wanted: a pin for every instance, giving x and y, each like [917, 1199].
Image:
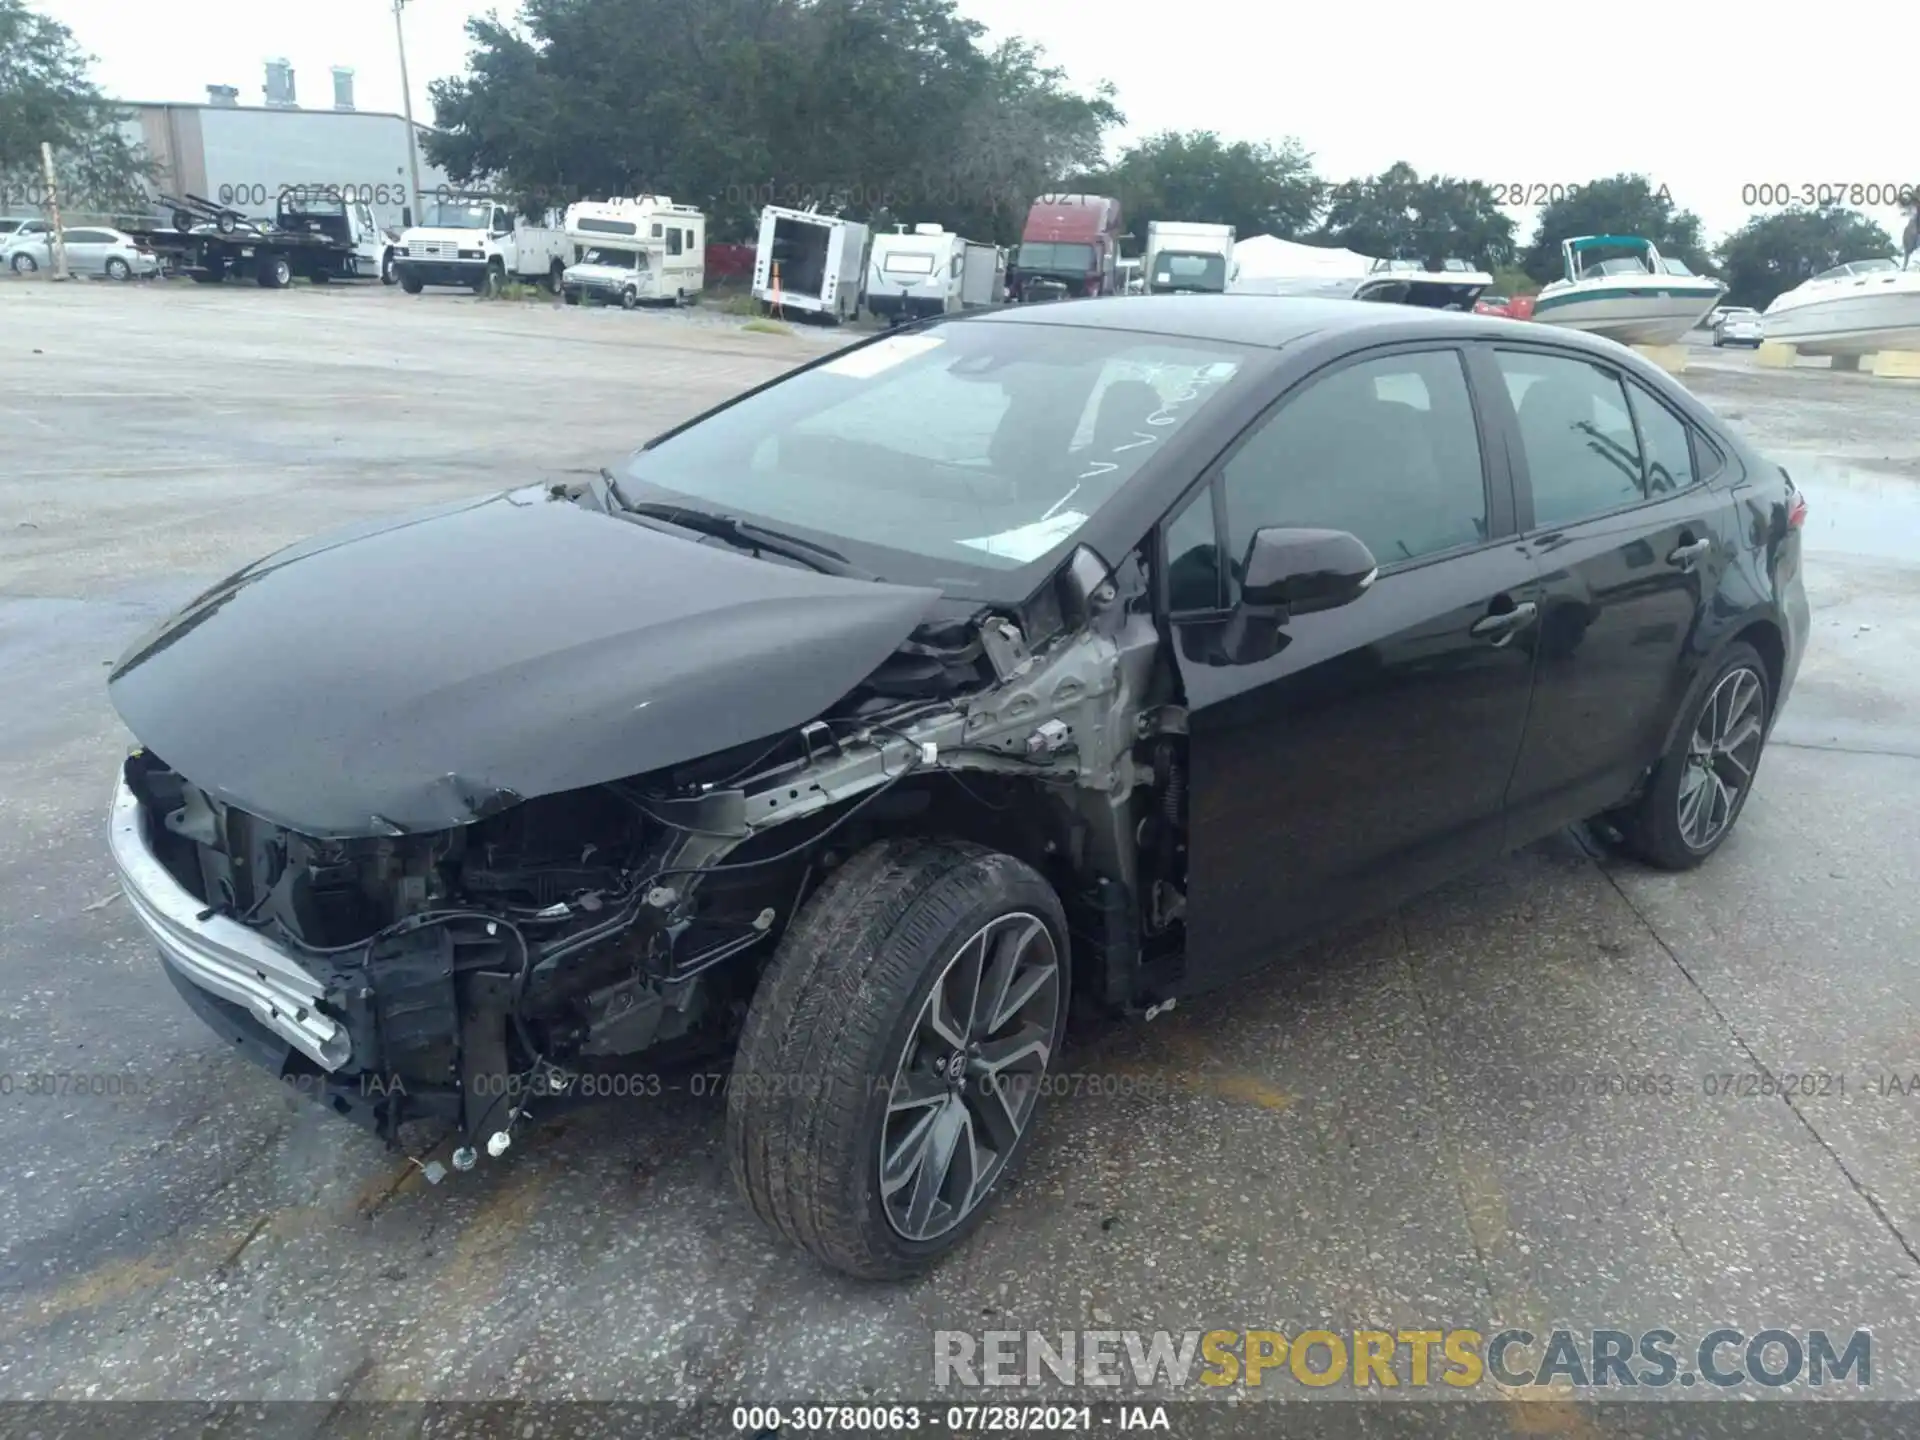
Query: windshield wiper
[741, 534]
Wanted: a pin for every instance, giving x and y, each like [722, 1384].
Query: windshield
[1189, 271]
[611, 255]
[974, 445]
[450, 216]
[1048, 255]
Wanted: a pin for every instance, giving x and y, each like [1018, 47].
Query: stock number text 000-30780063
[264, 194]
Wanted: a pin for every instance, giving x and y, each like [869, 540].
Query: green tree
[860, 105]
[1771, 254]
[1402, 215]
[1619, 205]
[47, 97]
[1195, 176]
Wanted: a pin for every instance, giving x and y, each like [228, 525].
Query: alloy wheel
[969, 1075]
[1721, 756]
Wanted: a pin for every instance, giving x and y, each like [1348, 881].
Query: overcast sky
[1688, 95]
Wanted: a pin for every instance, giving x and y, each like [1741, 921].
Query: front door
[1612, 486]
[1368, 758]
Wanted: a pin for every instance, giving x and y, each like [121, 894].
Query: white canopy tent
[1268, 265]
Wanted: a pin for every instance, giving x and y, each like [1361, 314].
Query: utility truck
[1185, 258]
[931, 271]
[480, 244]
[635, 251]
[810, 264]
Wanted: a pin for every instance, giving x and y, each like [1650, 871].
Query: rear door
[1615, 492]
[87, 250]
[1368, 758]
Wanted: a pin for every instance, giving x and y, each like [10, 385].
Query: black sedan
[1081, 654]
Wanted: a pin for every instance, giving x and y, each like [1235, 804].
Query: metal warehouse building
[245, 155]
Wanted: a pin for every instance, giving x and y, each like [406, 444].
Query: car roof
[1276, 321]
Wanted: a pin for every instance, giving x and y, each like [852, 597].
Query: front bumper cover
[218, 954]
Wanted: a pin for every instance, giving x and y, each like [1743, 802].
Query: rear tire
[553, 277]
[841, 1066]
[1686, 811]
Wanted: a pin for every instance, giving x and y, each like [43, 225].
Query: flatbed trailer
[210, 242]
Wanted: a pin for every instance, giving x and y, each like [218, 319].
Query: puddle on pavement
[1856, 511]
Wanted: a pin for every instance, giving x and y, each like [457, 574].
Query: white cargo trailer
[810, 264]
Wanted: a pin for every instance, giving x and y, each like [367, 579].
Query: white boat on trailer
[1636, 299]
[1860, 308]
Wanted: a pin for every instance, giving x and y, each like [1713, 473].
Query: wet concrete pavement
[1372, 1135]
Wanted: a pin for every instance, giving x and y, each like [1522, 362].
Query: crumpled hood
[424, 672]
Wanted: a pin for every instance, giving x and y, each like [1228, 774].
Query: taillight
[1797, 511]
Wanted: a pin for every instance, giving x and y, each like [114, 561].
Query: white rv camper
[635, 251]
[809, 263]
[930, 271]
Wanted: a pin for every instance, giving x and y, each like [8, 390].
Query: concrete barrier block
[1775, 354]
[1896, 364]
[1670, 358]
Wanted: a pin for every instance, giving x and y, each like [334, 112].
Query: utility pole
[59, 240]
[406, 106]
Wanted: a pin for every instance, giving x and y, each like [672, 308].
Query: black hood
[424, 672]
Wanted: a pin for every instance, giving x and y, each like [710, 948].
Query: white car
[1738, 325]
[91, 250]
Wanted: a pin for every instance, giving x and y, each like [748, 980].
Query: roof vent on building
[280, 85]
[342, 88]
[226, 96]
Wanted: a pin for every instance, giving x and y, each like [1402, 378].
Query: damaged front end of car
[460, 974]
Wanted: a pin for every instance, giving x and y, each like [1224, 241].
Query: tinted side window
[1578, 435]
[1385, 449]
[673, 240]
[1193, 562]
[86, 237]
[1664, 434]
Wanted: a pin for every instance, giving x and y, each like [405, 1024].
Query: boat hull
[1850, 324]
[1642, 315]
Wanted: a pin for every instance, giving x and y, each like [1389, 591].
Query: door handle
[1689, 552]
[1502, 627]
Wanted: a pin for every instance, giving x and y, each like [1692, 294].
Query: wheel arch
[1763, 633]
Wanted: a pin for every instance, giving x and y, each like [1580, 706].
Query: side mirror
[1300, 572]
[1288, 573]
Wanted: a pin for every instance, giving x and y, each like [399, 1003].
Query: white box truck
[635, 251]
[810, 264]
[1185, 258]
[930, 271]
[480, 244]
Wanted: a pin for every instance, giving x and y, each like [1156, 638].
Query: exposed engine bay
[624, 925]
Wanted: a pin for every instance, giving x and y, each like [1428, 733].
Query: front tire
[412, 284]
[1701, 784]
[24, 265]
[896, 1051]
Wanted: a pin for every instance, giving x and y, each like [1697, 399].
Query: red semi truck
[1069, 247]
